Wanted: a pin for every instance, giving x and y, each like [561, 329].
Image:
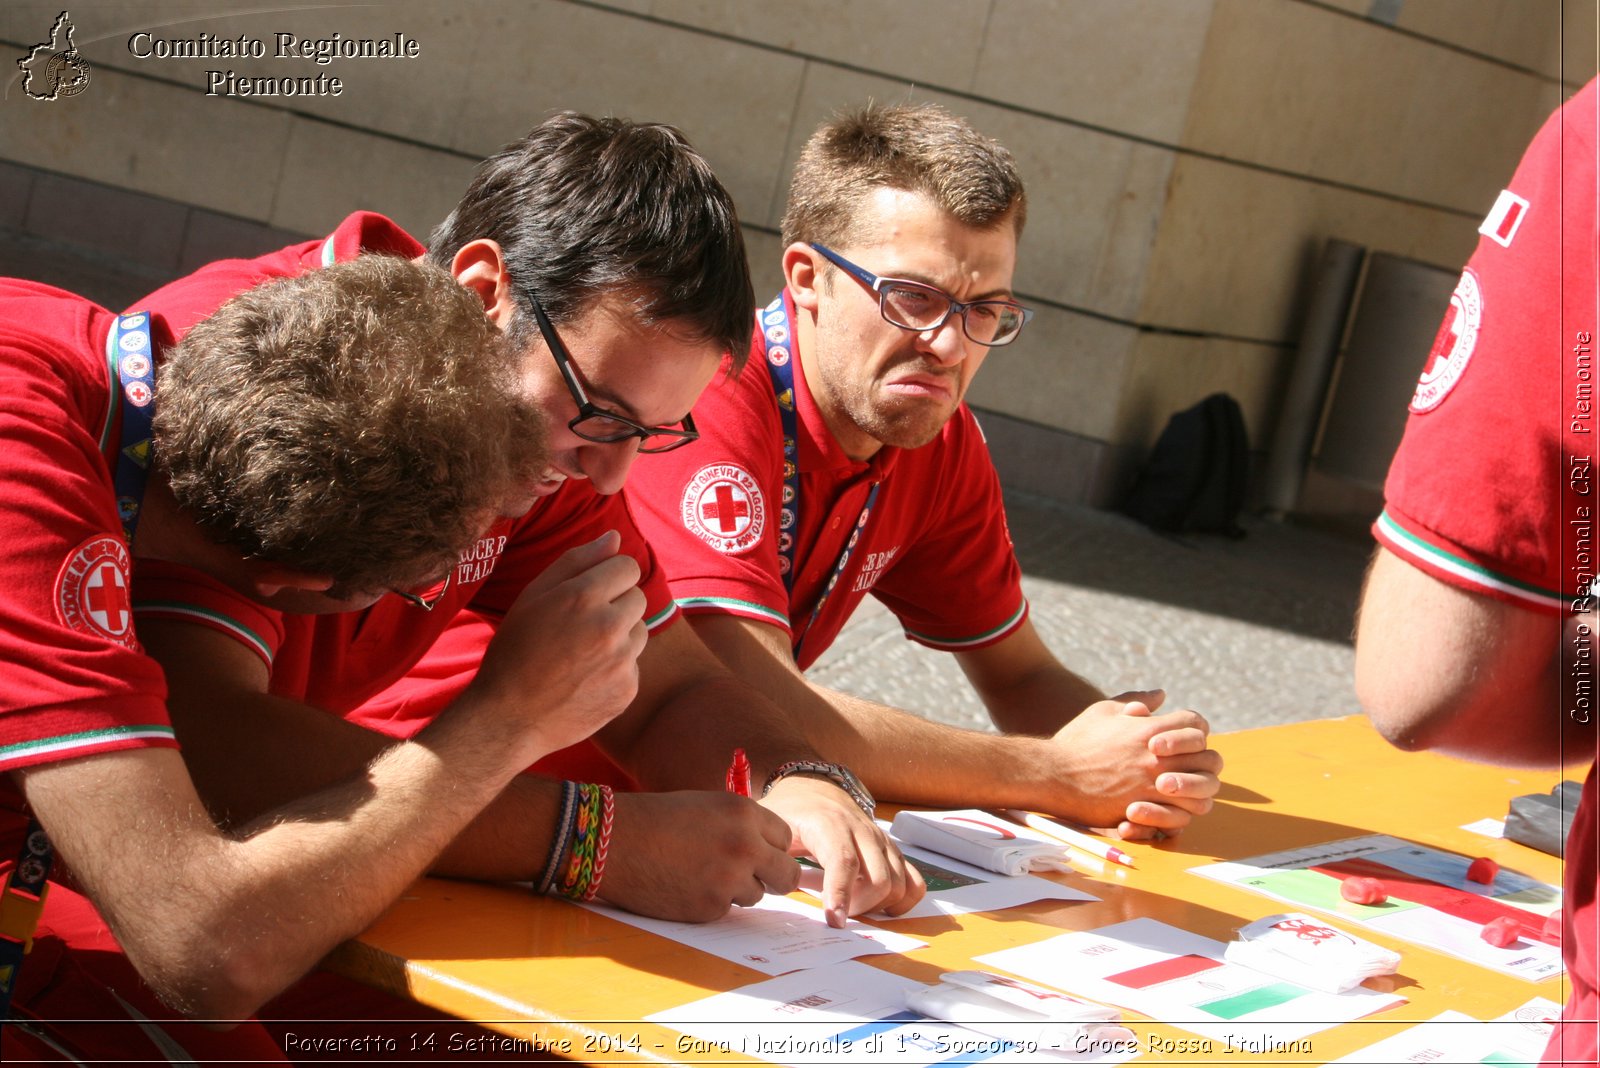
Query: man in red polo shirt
[611, 258]
[842, 462]
[1477, 626]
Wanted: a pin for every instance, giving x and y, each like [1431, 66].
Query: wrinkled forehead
[869, 215]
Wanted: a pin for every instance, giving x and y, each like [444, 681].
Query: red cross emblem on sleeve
[92, 590]
[723, 506]
[1452, 346]
[729, 509]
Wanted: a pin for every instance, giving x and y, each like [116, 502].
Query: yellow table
[556, 973]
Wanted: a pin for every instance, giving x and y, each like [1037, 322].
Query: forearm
[1090, 771]
[692, 712]
[296, 751]
[905, 758]
[217, 923]
[1039, 702]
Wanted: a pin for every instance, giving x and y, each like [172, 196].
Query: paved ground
[1250, 632]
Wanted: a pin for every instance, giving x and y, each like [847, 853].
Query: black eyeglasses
[914, 306]
[598, 424]
[432, 595]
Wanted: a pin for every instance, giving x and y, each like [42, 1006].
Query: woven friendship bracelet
[607, 812]
[558, 844]
[585, 842]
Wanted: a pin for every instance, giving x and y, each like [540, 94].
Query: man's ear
[270, 579]
[801, 272]
[481, 267]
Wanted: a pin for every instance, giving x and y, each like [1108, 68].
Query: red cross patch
[1452, 347]
[93, 591]
[723, 506]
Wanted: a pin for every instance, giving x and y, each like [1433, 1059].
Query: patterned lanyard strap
[780, 350]
[130, 354]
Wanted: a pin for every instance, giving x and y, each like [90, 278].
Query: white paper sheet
[955, 888]
[849, 1013]
[1517, 1038]
[1180, 978]
[1423, 872]
[776, 936]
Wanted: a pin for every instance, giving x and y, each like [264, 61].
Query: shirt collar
[364, 231]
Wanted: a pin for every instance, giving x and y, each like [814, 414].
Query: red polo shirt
[934, 549]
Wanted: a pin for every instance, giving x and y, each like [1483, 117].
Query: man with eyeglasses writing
[611, 259]
[841, 461]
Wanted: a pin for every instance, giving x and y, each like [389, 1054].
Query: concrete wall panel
[1066, 371]
[108, 134]
[1311, 92]
[933, 42]
[329, 172]
[1236, 244]
[733, 101]
[1124, 65]
[1168, 372]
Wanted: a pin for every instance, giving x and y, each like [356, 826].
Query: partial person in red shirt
[315, 443]
[842, 462]
[1477, 627]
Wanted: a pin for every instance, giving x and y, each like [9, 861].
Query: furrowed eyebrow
[998, 294]
[621, 407]
[606, 399]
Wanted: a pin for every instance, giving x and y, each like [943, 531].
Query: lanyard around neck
[131, 352]
[781, 352]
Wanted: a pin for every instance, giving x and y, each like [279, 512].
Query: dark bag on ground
[1195, 478]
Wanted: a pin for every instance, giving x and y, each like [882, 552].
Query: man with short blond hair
[842, 461]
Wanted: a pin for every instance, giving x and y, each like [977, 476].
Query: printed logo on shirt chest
[723, 506]
[872, 568]
[1452, 348]
[92, 590]
[478, 561]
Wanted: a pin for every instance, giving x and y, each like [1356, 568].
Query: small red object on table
[1502, 931]
[1363, 890]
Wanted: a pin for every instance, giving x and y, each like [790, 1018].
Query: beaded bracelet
[558, 844]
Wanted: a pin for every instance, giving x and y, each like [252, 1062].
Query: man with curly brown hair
[369, 395]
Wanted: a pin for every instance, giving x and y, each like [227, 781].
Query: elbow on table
[209, 984]
[210, 969]
[1408, 718]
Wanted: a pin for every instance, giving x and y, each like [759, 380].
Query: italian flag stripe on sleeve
[83, 743]
[1414, 548]
[991, 635]
[661, 618]
[734, 606]
[191, 613]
